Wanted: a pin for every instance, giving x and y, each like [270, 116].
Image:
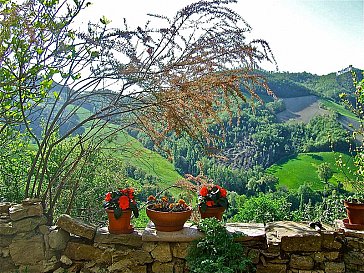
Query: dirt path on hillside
[301, 109]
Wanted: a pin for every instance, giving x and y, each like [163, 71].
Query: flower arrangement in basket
[167, 205]
[121, 200]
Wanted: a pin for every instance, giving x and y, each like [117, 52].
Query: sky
[316, 36]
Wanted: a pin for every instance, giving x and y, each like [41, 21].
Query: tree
[324, 171]
[176, 76]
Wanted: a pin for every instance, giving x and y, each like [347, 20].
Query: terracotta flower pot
[168, 221]
[210, 212]
[355, 212]
[120, 225]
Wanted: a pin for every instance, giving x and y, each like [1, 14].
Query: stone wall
[28, 245]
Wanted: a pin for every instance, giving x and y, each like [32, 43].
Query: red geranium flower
[108, 197]
[124, 202]
[210, 203]
[223, 192]
[204, 191]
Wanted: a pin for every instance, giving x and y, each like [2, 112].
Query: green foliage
[263, 208]
[324, 171]
[356, 107]
[330, 209]
[217, 252]
[15, 157]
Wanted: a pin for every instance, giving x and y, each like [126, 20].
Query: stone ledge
[189, 233]
[339, 225]
[294, 236]
[104, 237]
[248, 231]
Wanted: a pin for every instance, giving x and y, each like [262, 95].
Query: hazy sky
[317, 36]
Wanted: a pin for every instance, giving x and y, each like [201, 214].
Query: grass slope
[338, 108]
[133, 152]
[297, 170]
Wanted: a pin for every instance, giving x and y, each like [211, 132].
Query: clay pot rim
[168, 212]
[348, 203]
[111, 210]
[213, 207]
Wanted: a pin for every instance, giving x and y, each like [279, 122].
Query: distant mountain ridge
[288, 85]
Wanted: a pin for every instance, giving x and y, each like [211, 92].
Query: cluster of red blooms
[212, 193]
[123, 197]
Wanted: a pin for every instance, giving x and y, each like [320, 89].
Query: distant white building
[348, 69]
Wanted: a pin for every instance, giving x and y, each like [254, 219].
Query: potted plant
[166, 214]
[212, 201]
[119, 205]
[355, 205]
[212, 198]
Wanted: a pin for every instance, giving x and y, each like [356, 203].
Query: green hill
[297, 170]
[133, 152]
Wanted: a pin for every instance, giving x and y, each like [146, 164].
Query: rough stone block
[180, 250]
[162, 252]
[5, 240]
[330, 241]
[79, 251]
[7, 229]
[334, 267]
[7, 265]
[271, 268]
[121, 266]
[34, 268]
[179, 267]
[301, 243]
[27, 251]
[158, 267]
[45, 230]
[301, 262]
[4, 207]
[21, 211]
[326, 256]
[149, 246]
[50, 265]
[354, 257]
[28, 224]
[254, 255]
[104, 237]
[65, 260]
[76, 227]
[140, 257]
[58, 239]
[139, 269]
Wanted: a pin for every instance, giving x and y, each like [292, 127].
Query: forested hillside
[257, 138]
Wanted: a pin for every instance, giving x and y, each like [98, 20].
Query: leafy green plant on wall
[217, 251]
[356, 106]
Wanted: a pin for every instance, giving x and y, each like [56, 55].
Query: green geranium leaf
[135, 210]
[118, 212]
[203, 207]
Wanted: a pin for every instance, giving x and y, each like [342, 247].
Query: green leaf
[135, 210]
[203, 207]
[104, 20]
[118, 212]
